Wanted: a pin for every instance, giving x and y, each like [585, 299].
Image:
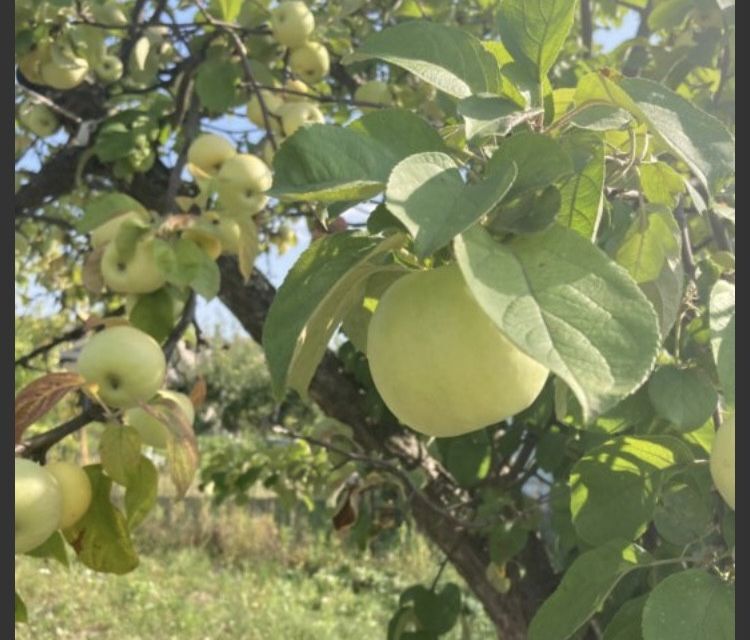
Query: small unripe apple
[153, 432]
[722, 460]
[241, 183]
[38, 119]
[299, 114]
[138, 274]
[127, 365]
[299, 87]
[439, 362]
[227, 229]
[75, 487]
[109, 69]
[310, 62]
[205, 237]
[292, 23]
[108, 231]
[63, 70]
[30, 63]
[273, 102]
[374, 91]
[110, 14]
[38, 505]
[209, 152]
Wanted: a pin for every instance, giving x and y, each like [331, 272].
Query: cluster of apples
[292, 25]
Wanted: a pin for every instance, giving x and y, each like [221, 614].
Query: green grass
[240, 579]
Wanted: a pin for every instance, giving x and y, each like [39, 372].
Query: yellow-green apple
[140, 273]
[38, 506]
[205, 236]
[273, 102]
[30, 63]
[241, 183]
[299, 114]
[291, 23]
[153, 432]
[298, 87]
[208, 152]
[108, 231]
[109, 68]
[438, 361]
[227, 228]
[62, 69]
[310, 62]
[722, 460]
[126, 364]
[374, 91]
[110, 14]
[75, 487]
[38, 119]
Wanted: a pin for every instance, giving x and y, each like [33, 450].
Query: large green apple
[38, 505]
[292, 22]
[299, 114]
[127, 365]
[310, 62]
[722, 460]
[75, 487]
[108, 231]
[242, 181]
[38, 119]
[440, 364]
[138, 274]
[208, 152]
[153, 432]
[227, 230]
[273, 102]
[374, 91]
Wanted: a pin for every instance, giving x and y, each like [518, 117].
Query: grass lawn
[272, 589]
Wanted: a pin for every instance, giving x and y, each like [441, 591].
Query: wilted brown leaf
[39, 396]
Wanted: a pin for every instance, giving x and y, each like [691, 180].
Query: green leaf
[506, 541]
[115, 140]
[531, 212]
[21, 614]
[438, 612]
[427, 194]
[328, 163]
[141, 493]
[322, 286]
[447, 57]
[52, 547]
[567, 305]
[699, 139]
[601, 117]
[128, 236]
[690, 605]
[684, 397]
[154, 314]
[403, 618]
[534, 32]
[626, 623]
[101, 537]
[227, 10]
[103, 208]
[120, 452]
[665, 292]
[683, 515]
[185, 264]
[651, 240]
[466, 457]
[486, 115]
[721, 317]
[661, 184]
[614, 487]
[540, 161]
[582, 193]
[216, 84]
[584, 588]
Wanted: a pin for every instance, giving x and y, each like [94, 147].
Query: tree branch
[37, 447]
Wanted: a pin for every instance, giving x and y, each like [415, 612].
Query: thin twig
[37, 447]
[186, 319]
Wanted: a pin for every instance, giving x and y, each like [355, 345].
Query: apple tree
[518, 300]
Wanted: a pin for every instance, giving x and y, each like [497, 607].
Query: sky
[212, 316]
